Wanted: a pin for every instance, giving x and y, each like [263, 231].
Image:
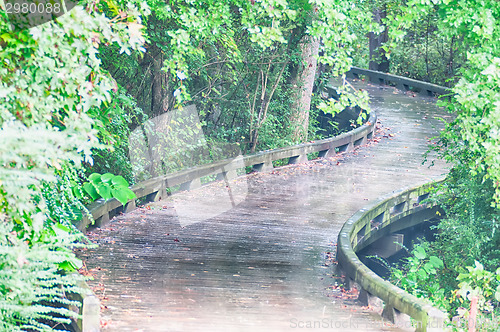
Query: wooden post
[473, 314]
[91, 314]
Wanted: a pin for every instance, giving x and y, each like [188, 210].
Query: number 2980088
[33, 8]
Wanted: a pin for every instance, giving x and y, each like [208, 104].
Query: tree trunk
[160, 94]
[378, 60]
[302, 86]
[266, 98]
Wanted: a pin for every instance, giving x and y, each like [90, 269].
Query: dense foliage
[457, 42]
[51, 84]
[467, 243]
[238, 62]
[115, 121]
[472, 139]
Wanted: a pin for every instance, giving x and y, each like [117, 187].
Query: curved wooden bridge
[267, 264]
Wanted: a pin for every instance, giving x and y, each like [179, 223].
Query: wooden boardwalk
[265, 265]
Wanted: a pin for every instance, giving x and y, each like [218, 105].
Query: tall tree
[378, 58]
[207, 49]
[302, 86]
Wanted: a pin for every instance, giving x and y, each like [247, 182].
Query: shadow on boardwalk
[265, 265]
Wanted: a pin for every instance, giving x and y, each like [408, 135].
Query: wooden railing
[387, 215]
[399, 82]
[397, 211]
[156, 188]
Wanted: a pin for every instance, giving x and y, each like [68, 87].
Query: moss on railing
[399, 210]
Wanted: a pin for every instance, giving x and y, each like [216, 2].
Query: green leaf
[106, 178]
[66, 266]
[91, 190]
[121, 195]
[429, 268]
[436, 262]
[130, 193]
[7, 37]
[422, 274]
[119, 181]
[71, 265]
[104, 190]
[76, 190]
[419, 252]
[95, 177]
[60, 227]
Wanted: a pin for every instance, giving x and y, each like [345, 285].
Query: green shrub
[50, 79]
[467, 234]
[115, 121]
[106, 186]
